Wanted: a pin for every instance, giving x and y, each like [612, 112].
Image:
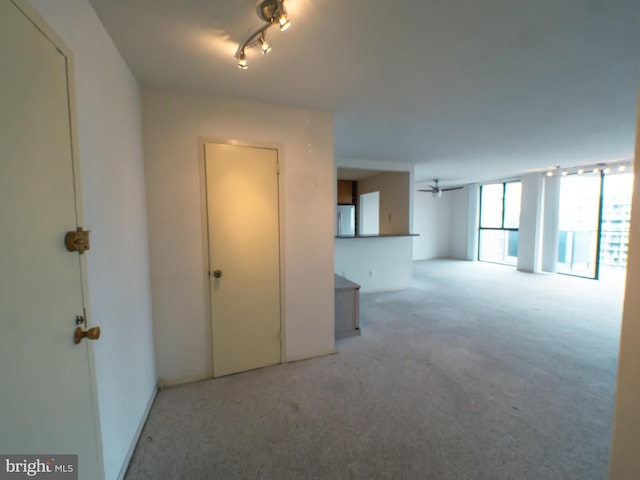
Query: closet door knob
[91, 334]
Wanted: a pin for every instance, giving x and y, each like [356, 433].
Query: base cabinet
[347, 298]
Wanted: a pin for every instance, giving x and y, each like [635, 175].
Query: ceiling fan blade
[452, 188]
[429, 191]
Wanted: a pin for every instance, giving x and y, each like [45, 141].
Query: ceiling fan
[436, 191]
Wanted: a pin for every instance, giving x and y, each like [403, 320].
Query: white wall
[112, 174]
[625, 461]
[432, 222]
[377, 264]
[369, 213]
[172, 124]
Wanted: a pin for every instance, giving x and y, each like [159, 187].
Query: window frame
[502, 228]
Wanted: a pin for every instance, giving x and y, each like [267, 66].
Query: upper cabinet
[345, 192]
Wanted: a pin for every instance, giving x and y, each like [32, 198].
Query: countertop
[384, 235]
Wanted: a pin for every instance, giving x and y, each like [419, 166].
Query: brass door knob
[91, 334]
[217, 273]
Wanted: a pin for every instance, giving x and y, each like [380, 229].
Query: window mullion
[504, 197]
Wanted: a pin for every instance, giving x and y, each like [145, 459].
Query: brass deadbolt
[77, 240]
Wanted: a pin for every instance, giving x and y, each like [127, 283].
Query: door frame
[206, 279]
[34, 17]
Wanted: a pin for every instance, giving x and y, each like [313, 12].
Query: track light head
[284, 22]
[273, 11]
[242, 60]
[264, 45]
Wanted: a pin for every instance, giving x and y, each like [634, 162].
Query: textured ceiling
[468, 90]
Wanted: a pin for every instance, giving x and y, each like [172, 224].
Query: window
[499, 222]
[616, 212]
[594, 223]
[512, 197]
[579, 218]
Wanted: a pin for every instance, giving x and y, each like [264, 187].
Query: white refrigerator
[346, 220]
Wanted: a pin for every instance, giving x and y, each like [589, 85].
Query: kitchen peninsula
[373, 246]
[376, 262]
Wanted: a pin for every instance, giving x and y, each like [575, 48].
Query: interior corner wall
[112, 175]
[173, 122]
[625, 461]
[394, 188]
[530, 230]
[433, 223]
[464, 223]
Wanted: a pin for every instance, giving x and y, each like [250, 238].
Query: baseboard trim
[297, 358]
[163, 383]
[136, 437]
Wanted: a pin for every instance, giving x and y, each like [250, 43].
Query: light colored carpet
[478, 372]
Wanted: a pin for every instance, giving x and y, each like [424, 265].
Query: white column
[529, 238]
[473, 222]
[551, 222]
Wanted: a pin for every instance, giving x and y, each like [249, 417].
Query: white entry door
[47, 401]
[244, 256]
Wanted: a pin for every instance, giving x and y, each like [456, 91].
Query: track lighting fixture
[604, 168]
[272, 12]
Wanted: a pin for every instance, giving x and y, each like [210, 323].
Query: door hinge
[77, 240]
